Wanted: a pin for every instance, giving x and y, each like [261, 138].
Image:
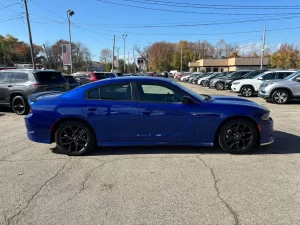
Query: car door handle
[92, 109]
[146, 112]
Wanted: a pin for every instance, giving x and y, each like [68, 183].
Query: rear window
[71, 79]
[100, 76]
[52, 77]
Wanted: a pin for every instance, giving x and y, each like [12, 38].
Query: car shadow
[285, 143]
[5, 109]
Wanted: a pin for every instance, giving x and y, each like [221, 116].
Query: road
[152, 185]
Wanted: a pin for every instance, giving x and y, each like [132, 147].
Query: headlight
[266, 116]
[235, 83]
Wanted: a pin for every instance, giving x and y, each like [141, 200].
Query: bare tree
[203, 50]
[224, 49]
[105, 57]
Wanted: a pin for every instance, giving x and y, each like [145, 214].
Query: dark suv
[17, 84]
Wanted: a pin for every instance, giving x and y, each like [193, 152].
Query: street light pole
[69, 14]
[124, 37]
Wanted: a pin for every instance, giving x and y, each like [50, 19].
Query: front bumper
[235, 88]
[266, 134]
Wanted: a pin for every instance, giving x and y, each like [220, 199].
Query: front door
[163, 117]
[113, 113]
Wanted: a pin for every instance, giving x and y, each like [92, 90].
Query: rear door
[113, 113]
[5, 87]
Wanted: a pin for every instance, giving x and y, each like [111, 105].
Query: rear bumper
[266, 135]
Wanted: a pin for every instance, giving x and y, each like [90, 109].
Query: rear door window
[49, 77]
[5, 77]
[19, 77]
[283, 75]
[116, 92]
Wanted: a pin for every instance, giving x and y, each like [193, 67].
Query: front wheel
[220, 86]
[247, 91]
[202, 83]
[280, 97]
[74, 138]
[237, 136]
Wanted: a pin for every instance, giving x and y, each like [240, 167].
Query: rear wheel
[220, 86]
[247, 91]
[19, 105]
[202, 83]
[74, 138]
[237, 136]
[280, 97]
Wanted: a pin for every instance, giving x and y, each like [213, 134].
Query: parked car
[189, 78]
[87, 77]
[186, 76]
[216, 75]
[17, 84]
[193, 80]
[223, 83]
[281, 91]
[202, 79]
[145, 111]
[249, 87]
[164, 74]
[73, 83]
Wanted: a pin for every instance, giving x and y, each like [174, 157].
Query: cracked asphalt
[151, 185]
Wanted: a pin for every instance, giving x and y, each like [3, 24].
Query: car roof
[29, 70]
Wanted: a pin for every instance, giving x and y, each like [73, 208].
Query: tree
[203, 50]
[144, 53]
[188, 55]
[224, 49]
[105, 57]
[287, 57]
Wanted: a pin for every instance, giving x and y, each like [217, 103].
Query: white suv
[248, 87]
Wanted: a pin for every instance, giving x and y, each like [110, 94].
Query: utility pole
[124, 37]
[134, 62]
[87, 61]
[181, 59]
[69, 14]
[113, 55]
[29, 32]
[118, 59]
[128, 63]
[263, 49]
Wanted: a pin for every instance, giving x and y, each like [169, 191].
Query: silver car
[283, 90]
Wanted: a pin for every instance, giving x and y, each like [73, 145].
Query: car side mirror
[187, 100]
[298, 79]
[260, 78]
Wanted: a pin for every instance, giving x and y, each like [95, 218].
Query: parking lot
[152, 185]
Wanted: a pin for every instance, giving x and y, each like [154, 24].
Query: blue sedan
[143, 111]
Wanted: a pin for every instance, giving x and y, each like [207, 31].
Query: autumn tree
[188, 55]
[160, 56]
[287, 57]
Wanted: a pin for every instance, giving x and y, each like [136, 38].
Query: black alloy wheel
[74, 138]
[280, 97]
[220, 86]
[19, 105]
[247, 91]
[202, 82]
[237, 136]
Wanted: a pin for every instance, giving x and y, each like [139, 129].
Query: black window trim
[99, 87]
[162, 84]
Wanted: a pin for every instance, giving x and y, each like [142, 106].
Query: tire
[220, 86]
[247, 91]
[280, 97]
[202, 83]
[193, 82]
[74, 138]
[237, 136]
[19, 105]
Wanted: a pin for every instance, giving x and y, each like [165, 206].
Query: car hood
[231, 100]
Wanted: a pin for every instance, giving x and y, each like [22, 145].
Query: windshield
[189, 91]
[253, 74]
[292, 75]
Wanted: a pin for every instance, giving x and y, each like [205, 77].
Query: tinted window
[18, 77]
[234, 75]
[71, 79]
[116, 92]
[119, 74]
[52, 77]
[5, 77]
[94, 93]
[111, 75]
[159, 93]
[283, 75]
[100, 76]
[244, 72]
[269, 76]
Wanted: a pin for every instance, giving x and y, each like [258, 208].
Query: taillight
[39, 85]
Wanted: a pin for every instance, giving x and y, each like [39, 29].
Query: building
[231, 64]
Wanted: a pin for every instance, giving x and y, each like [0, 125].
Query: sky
[148, 21]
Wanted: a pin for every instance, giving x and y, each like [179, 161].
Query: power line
[7, 6]
[201, 6]
[15, 18]
[193, 12]
[47, 9]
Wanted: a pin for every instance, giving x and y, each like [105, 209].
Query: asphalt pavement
[152, 185]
